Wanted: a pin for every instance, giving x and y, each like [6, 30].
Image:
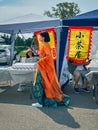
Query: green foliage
[29, 41]
[18, 41]
[63, 10]
[23, 53]
[21, 48]
[7, 39]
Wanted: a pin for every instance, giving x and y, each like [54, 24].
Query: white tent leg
[57, 52]
[12, 48]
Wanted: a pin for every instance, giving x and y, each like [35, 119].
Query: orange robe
[50, 82]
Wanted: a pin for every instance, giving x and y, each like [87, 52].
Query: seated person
[78, 71]
[30, 58]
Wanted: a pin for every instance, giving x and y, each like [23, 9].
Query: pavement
[16, 112]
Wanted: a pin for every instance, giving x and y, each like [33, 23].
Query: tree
[29, 41]
[63, 10]
[7, 39]
[19, 41]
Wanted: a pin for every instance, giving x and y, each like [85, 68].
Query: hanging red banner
[52, 42]
[79, 43]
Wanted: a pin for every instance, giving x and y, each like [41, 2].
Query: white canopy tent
[27, 24]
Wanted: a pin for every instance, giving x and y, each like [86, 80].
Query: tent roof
[88, 15]
[28, 23]
[26, 18]
[85, 19]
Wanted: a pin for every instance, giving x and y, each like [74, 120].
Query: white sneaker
[36, 105]
[19, 89]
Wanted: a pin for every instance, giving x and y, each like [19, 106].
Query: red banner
[52, 42]
[79, 43]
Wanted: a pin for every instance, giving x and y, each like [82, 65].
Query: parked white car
[5, 54]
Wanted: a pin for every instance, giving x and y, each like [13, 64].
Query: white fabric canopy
[22, 72]
[19, 72]
[28, 23]
[4, 74]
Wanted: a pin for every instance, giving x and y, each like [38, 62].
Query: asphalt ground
[16, 112]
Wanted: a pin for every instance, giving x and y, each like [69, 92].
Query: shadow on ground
[9, 94]
[61, 115]
[81, 100]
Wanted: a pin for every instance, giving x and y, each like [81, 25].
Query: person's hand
[87, 62]
[37, 52]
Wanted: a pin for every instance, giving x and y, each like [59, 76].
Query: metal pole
[12, 48]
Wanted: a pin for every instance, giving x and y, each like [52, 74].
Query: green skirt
[39, 94]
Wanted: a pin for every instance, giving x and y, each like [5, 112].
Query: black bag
[71, 67]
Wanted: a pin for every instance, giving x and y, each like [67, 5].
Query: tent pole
[12, 48]
[57, 48]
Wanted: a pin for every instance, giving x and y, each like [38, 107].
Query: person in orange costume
[46, 88]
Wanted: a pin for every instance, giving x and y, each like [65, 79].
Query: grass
[23, 53]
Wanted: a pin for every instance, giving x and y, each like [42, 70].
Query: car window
[1, 51]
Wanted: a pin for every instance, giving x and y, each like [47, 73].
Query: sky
[15, 8]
